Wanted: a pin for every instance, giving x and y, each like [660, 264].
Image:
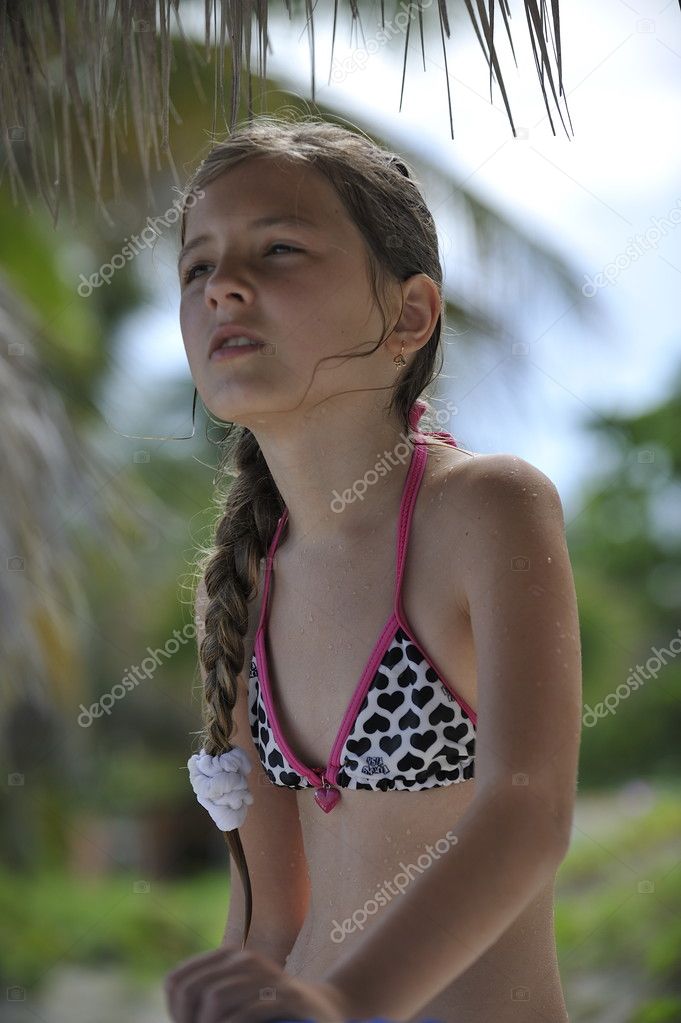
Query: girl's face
[303, 288]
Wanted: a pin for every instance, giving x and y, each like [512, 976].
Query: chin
[239, 412]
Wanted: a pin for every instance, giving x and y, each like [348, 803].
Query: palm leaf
[86, 59]
[63, 504]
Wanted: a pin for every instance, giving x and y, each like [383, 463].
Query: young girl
[387, 624]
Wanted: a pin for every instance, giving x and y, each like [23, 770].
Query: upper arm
[525, 626]
[271, 834]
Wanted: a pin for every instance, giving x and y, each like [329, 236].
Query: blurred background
[562, 257]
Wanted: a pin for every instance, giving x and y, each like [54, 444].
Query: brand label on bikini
[375, 765]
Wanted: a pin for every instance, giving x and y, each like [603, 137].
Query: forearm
[453, 912]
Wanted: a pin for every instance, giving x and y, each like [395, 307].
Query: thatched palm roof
[94, 57]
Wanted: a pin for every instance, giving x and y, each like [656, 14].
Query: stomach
[366, 852]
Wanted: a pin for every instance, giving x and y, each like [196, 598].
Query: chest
[327, 614]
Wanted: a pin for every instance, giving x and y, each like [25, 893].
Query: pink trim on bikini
[397, 618]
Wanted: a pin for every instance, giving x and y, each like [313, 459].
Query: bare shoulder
[492, 500]
[506, 484]
[506, 475]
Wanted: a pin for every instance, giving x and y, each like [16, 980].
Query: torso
[329, 610]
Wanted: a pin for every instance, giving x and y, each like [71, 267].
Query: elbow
[554, 825]
[539, 815]
[561, 825]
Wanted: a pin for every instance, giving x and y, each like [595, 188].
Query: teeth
[238, 342]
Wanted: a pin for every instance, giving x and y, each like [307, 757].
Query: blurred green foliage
[145, 927]
[618, 907]
[625, 546]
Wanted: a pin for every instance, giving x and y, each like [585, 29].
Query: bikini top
[405, 727]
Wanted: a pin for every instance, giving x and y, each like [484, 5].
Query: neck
[341, 476]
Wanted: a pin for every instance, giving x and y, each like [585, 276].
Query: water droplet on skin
[548, 559]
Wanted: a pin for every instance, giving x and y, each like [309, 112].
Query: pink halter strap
[417, 410]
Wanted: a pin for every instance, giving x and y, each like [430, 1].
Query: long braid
[231, 572]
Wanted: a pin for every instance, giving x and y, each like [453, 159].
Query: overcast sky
[591, 195]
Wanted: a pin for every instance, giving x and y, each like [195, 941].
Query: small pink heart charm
[326, 798]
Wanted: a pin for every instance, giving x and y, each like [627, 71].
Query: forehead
[264, 187]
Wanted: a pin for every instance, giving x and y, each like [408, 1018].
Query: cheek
[189, 327]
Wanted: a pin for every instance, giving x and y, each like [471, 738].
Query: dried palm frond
[62, 498]
[63, 63]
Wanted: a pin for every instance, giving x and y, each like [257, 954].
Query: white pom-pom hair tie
[221, 787]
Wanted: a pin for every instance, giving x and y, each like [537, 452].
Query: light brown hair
[384, 201]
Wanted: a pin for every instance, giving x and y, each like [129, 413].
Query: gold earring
[399, 360]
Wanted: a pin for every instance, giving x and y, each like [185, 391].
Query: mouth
[233, 336]
[235, 346]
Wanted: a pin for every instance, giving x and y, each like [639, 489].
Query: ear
[422, 308]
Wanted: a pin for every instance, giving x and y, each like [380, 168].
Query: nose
[226, 283]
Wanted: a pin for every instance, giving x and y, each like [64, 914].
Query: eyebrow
[292, 220]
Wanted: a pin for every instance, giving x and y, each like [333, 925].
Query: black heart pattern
[408, 720]
[455, 733]
[407, 678]
[290, 779]
[425, 741]
[390, 701]
[275, 759]
[422, 696]
[394, 743]
[390, 743]
[441, 714]
[376, 723]
[358, 746]
[410, 763]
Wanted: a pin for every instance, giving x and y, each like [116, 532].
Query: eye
[188, 274]
[282, 245]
